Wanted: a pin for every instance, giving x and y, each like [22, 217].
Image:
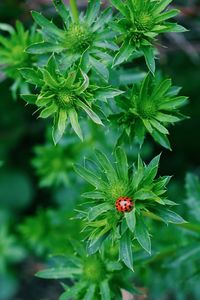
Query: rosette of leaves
[139, 25]
[112, 181]
[86, 37]
[54, 164]
[33, 231]
[13, 55]
[94, 277]
[149, 107]
[63, 94]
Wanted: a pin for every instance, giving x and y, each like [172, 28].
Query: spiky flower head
[140, 23]
[63, 94]
[112, 181]
[13, 55]
[87, 38]
[95, 277]
[150, 107]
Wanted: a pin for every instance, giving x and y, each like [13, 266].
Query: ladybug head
[124, 204]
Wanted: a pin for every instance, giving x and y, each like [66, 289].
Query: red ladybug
[124, 204]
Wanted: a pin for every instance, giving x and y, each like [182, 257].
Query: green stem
[74, 10]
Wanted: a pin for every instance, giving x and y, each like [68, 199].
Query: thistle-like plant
[84, 38]
[13, 55]
[54, 164]
[63, 94]
[138, 25]
[149, 107]
[95, 277]
[109, 215]
[33, 231]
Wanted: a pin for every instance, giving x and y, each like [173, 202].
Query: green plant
[74, 74]
[63, 93]
[82, 39]
[149, 107]
[138, 25]
[13, 55]
[104, 221]
[94, 277]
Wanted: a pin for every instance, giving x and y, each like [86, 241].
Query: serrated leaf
[166, 118]
[131, 220]
[93, 116]
[107, 93]
[90, 292]
[151, 170]
[75, 124]
[94, 245]
[44, 47]
[97, 210]
[32, 76]
[49, 80]
[158, 126]
[30, 99]
[162, 88]
[105, 290]
[92, 11]
[121, 7]
[124, 53]
[62, 10]
[149, 58]
[93, 195]
[58, 273]
[167, 15]
[59, 125]
[142, 234]
[107, 166]
[161, 6]
[144, 194]
[169, 216]
[161, 139]
[144, 88]
[73, 291]
[126, 250]
[173, 103]
[48, 25]
[48, 111]
[99, 68]
[121, 163]
[89, 176]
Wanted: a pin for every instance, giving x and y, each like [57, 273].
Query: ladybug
[124, 204]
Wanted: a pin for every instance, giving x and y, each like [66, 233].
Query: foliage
[73, 71]
[34, 232]
[150, 106]
[63, 93]
[83, 39]
[111, 183]
[13, 55]
[138, 25]
[10, 249]
[94, 277]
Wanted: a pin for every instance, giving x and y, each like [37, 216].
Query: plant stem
[74, 10]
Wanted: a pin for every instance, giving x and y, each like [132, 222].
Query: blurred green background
[36, 202]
